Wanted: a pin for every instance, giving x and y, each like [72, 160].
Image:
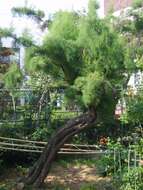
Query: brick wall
[116, 5]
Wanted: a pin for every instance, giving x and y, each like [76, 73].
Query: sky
[48, 6]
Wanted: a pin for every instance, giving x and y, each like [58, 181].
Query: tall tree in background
[10, 73]
[90, 57]
[131, 26]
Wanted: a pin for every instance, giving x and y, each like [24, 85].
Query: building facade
[8, 55]
[116, 5]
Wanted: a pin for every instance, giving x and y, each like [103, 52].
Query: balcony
[8, 55]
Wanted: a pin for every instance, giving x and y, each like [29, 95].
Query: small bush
[105, 165]
[133, 179]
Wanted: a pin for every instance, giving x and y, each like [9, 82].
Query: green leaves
[134, 111]
[6, 32]
[33, 63]
[65, 25]
[87, 54]
[137, 4]
[13, 77]
[92, 9]
[91, 89]
[25, 39]
[37, 15]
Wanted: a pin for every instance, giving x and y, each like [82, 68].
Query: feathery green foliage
[25, 39]
[6, 32]
[137, 4]
[13, 77]
[37, 15]
[89, 54]
[65, 25]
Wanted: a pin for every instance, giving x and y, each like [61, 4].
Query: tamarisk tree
[91, 58]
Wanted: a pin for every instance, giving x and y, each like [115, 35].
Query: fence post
[114, 161]
[129, 155]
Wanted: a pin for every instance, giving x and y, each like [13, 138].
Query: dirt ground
[64, 178]
[75, 177]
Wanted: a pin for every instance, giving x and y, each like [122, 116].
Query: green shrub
[3, 187]
[42, 133]
[105, 165]
[21, 169]
[9, 185]
[133, 179]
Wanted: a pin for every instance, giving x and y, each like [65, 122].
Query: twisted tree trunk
[41, 169]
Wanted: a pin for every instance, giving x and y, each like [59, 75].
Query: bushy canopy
[89, 55]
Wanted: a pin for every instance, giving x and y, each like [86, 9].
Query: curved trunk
[41, 169]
